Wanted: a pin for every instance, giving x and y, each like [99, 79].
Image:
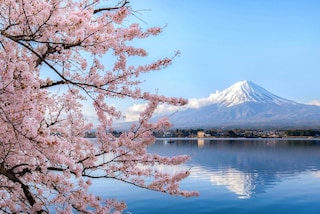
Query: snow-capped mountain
[247, 91]
[245, 104]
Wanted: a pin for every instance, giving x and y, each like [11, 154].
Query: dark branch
[124, 3]
[50, 84]
[11, 176]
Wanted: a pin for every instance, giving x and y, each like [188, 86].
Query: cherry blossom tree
[46, 163]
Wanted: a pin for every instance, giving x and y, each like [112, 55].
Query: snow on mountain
[247, 91]
[245, 104]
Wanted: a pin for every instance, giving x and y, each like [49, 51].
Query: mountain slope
[246, 104]
[246, 91]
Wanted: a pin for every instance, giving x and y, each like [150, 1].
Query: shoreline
[238, 138]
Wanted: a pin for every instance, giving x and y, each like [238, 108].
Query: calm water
[234, 176]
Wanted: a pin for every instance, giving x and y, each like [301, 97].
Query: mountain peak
[247, 91]
[245, 104]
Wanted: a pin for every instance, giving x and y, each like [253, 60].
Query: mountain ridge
[246, 104]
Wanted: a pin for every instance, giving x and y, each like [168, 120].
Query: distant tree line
[302, 132]
[238, 133]
[228, 133]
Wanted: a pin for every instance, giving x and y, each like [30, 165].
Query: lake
[233, 176]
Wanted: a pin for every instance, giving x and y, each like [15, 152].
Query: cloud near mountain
[198, 103]
[133, 111]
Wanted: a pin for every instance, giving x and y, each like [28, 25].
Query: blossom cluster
[51, 62]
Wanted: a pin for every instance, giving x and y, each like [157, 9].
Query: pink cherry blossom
[51, 57]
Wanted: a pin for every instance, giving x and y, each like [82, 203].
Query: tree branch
[50, 84]
[11, 176]
[124, 3]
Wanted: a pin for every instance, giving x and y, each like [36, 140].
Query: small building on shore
[200, 134]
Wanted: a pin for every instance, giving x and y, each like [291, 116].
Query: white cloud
[315, 102]
[167, 109]
[197, 103]
[133, 112]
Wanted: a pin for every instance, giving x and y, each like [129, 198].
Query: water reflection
[200, 143]
[248, 167]
[315, 174]
[240, 183]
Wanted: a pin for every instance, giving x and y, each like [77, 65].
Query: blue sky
[274, 43]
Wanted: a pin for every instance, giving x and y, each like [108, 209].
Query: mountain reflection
[249, 167]
[242, 184]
